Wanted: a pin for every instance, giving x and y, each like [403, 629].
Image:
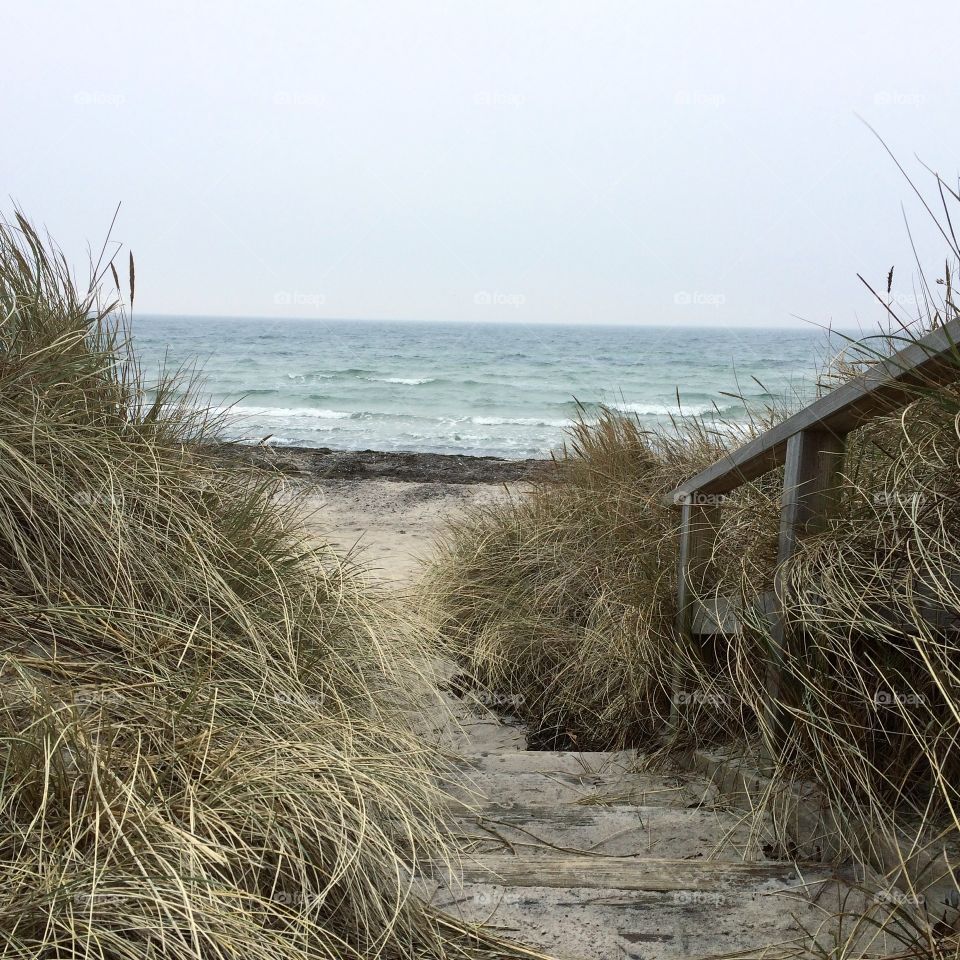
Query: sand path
[391, 525]
[578, 855]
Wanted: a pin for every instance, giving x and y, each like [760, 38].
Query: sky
[702, 163]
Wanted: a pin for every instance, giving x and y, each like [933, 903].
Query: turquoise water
[503, 390]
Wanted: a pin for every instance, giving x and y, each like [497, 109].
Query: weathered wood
[478, 791]
[810, 487]
[698, 527]
[930, 361]
[715, 616]
[616, 873]
[686, 829]
[801, 812]
[810, 495]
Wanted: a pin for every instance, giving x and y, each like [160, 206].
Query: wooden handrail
[891, 383]
[810, 446]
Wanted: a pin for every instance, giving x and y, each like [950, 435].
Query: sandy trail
[390, 525]
[656, 868]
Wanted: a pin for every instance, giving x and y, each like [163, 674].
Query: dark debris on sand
[322, 463]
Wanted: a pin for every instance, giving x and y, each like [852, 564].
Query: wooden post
[698, 526]
[810, 490]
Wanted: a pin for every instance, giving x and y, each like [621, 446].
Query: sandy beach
[390, 525]
[386, 508]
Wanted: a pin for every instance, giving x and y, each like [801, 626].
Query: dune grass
[204, 749]
[563, 601]
[563, 596]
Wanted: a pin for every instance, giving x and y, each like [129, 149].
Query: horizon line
[801, 325]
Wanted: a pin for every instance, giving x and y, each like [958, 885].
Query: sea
[505, 390]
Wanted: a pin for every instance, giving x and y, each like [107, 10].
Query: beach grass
[563, 601]
[204, 743]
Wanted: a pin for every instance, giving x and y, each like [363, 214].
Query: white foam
[305, 413]
[662, 409]
[518, 421]
[409, 381]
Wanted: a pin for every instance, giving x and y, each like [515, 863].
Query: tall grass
[564, 598]
[564, 595]
[204, 749]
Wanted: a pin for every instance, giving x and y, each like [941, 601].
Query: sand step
[556, 869]
[502, 782]
[672, 913]
[544, 761]
[623, 831]
[457, 728]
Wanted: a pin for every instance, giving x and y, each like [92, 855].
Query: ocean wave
[312, 413]
[409, 381]
[663, 409]
[320, 413]
[302, 414]
[518, 422]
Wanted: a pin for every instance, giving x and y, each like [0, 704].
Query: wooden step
[615, 873]
[585, 858]
[545, 761]
[481, 787]
[625, 831]
[764, 917]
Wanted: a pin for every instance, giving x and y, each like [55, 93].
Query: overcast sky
[589, 162]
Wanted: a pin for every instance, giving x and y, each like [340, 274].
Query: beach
[390, 525]
[471, 491]
[549, 677]
[386, 509]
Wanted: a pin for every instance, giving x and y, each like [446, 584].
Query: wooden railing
[810, 445]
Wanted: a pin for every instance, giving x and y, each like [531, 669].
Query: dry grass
[204, 749]
[564, 600]
[548, 598]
